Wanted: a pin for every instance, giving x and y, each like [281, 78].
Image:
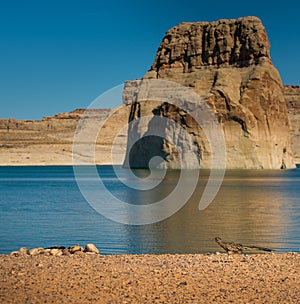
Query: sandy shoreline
[192, 278]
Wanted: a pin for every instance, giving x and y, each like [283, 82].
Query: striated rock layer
[49, 141]
[292, 96]
[228, 64]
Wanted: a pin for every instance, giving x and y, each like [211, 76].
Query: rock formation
[292, 96]
[49, 141]
[227, 63]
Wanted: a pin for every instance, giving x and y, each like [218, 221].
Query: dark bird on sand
[231, 247]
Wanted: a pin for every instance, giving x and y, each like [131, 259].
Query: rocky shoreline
[167, 278]
[56, 250]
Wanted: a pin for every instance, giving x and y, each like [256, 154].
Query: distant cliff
[292, 96]
[228, 64]
[49, 141]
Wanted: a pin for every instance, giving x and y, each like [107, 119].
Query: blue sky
[56, 56]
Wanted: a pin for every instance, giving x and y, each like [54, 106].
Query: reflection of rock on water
[247, 210]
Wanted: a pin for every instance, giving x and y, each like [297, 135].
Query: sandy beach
[194, 278]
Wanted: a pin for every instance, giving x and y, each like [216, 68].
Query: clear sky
[56, 56]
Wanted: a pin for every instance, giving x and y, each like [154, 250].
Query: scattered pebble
[85, 277]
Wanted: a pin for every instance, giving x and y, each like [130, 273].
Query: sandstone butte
[226, 62]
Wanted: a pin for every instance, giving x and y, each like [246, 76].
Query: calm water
[42, 206]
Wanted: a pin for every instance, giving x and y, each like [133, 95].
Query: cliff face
[49, 141]
[227, 63]
[292, 96]
[189, 46]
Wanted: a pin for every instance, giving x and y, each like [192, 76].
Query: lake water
[43, 206]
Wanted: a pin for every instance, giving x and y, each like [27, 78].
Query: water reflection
[42, 206]
[252, 207]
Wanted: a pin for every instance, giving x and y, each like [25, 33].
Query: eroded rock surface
[292, 96]
[228, 64]
[49, 141]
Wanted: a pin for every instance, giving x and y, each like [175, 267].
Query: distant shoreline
[109, 164]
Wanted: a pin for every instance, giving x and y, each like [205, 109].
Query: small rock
[36, 251]
[56, 252]
[75, 248]
[183, 283]
[91, 248]
[78, 252]
[24, 251]
[15, 253]
[66, 252]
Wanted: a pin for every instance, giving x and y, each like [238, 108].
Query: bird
[233, 248]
